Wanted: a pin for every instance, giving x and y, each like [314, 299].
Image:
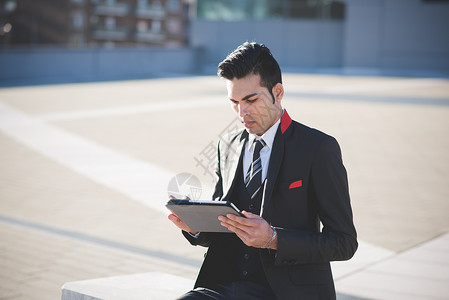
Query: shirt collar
[268, 136]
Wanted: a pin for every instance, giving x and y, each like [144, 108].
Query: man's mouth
[248, 123]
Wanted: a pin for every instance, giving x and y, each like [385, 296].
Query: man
[286, 177]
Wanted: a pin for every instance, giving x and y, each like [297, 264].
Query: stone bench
[148, 286]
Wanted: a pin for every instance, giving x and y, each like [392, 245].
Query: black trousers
[238, 290]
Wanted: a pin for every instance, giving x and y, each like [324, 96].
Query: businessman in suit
[286, 178]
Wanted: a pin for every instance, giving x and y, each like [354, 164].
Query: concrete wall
[303, 43]
[376, 34]
[68, 65]
[396, 34]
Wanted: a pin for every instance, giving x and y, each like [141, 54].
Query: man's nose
[243, 109]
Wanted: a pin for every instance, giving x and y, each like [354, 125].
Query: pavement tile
[425, 255]
[109, 215]
[46, 278]
[366, 255]
[412, 268]
[378, 285]
[10, 294]
[405, 275]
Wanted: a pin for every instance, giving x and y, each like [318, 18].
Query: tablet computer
[202, 215]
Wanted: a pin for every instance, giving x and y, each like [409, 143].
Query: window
[142, 26]
[10, 6]
[94, 19]
[174, 26]
[269, 9]
[109, 23]
[156, 26]
[173, 5]
[157, 5]
[142, 4]
[78, 20]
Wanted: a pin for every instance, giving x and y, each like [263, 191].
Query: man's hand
[253, 230]
[177, 221]
[180, 224]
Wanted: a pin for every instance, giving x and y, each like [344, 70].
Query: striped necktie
[253, 179]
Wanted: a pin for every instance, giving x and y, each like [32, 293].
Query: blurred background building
[325, 35]
[93, 23]
[106, 39]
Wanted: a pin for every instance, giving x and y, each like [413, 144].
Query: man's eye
[252, 100]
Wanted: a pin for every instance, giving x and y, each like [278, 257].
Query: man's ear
[278, 92]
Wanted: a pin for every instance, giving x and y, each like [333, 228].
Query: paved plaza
[85, 169]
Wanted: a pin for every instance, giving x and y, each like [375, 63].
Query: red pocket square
[295, 184]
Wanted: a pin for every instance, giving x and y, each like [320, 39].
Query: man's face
[254, 103]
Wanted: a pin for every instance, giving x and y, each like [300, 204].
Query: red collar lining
[285, 121]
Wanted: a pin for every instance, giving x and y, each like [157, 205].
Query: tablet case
[202, 215]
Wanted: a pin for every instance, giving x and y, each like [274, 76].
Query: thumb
[250, 215]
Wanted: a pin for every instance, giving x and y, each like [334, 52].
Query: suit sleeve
[329, 189]
[204, 238]
[218, 191]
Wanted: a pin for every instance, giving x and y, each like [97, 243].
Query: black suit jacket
[306, 183]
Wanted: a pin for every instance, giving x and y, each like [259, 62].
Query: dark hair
[252, 58]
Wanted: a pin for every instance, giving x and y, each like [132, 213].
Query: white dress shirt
[265, 153]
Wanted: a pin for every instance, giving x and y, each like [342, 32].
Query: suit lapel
[277, 154]
[235, 157]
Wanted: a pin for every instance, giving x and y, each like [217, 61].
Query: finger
[173, 197]
[236, 227]
[242, 234]
[174, 218]
[250, 215]
[247, 215]
[229, 221]
[244, 221]
[179, 223]
[250, 235]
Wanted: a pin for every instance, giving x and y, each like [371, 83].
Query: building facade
[93, 23]
[378, 37]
